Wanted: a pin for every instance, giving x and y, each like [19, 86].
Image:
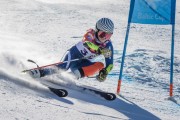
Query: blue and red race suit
[87, 48]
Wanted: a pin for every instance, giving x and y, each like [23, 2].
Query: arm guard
[109, 68]
[91, 46]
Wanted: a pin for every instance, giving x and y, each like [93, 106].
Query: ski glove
[105, 51]
[102, 75]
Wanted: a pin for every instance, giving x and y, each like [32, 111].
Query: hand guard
[105, 51]
[102, 75]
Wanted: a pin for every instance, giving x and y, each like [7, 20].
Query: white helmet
[105, 24]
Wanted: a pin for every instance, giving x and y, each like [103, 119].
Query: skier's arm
[91, 46]
[109, 68]
[109, 65]
[98, 50]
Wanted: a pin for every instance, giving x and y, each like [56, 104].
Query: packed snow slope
[42, 30]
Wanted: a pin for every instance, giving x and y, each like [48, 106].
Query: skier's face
[103, 36]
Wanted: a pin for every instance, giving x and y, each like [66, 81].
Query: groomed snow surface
[42, 30]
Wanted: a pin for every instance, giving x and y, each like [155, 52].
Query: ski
[105, 95]
[64, 93]
[59, 92]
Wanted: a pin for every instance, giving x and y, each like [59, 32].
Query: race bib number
[83, 50]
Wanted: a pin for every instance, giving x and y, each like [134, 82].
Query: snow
[42, 30]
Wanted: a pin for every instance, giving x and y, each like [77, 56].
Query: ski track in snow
[43, 30]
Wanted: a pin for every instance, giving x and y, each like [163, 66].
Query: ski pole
[50, 64]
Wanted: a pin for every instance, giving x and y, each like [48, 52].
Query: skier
[95, 42]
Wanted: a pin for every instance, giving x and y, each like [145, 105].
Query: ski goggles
[105, 35]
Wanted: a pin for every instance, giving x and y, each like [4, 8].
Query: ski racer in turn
[95, 42]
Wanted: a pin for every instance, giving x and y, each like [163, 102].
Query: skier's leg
[91, 69]
[60, 67]
[86, 68]
[70, 54]
[37, 73]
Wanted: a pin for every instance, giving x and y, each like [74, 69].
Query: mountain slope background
[42, 30]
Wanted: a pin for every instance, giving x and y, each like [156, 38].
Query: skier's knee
[88, 70]
[99, 65]
[92, 69]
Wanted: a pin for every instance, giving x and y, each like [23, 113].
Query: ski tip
[59, 92]
[110, 96]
